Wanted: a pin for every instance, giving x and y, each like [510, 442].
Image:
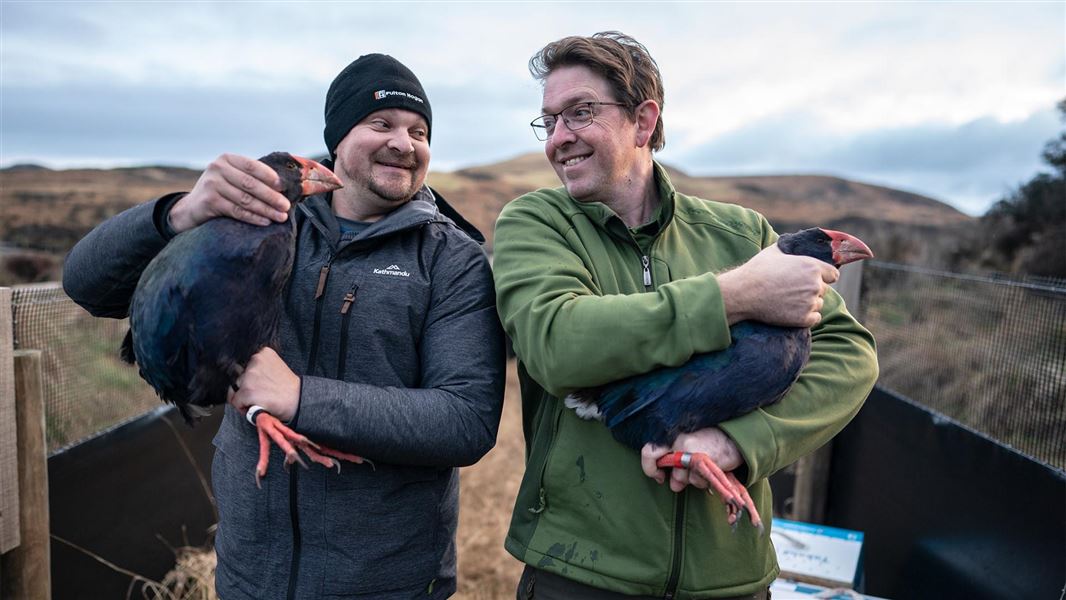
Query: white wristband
[253, 410]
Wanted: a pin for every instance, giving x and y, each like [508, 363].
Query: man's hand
[268, 382]
[232, 186]
[777, 288]
[711, 441]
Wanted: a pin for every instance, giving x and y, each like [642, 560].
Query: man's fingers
[245, 207]
[697, 480]
[254, 168]
[250, 182]
[649, 455]
[243, 214]
[830, 274]
[678, 479]
[812, 319]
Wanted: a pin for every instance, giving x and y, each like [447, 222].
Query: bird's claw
[733, 494]
[291, 444]
[293, 457]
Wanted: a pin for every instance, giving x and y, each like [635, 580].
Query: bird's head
[834, 247]
[300, 177]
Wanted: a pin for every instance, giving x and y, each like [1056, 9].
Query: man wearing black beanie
[389, 348]
[372, 82]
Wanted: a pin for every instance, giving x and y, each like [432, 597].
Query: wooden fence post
[811, 489]
[27, 568]
[849, 286]
[9, 488]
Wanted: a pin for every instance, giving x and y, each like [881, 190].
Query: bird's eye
[292, 165]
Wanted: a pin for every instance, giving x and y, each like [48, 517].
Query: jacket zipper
[675, 561]
[645, 261]
[294, 517]
[346, 316]
[323, 275]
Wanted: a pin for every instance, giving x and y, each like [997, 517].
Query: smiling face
[593, 163]
[382, 162]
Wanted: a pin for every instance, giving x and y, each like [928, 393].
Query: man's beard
[393, 192]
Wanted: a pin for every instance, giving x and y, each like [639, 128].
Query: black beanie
[372, 82]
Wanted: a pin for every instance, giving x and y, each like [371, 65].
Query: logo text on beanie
[382, 94]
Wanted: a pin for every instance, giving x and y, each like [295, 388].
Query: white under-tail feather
[585, 410]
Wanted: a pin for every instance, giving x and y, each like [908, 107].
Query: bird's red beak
[314, 178]
[847, 248]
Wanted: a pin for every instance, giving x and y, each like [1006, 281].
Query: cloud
[969, 165]
[90, 125]
[90, 83]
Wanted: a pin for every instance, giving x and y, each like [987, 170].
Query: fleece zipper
[675, 558]
[674, 578]
[542, 495]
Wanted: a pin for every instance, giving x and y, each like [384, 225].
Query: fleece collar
[599, 213]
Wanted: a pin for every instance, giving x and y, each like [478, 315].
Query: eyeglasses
[575, 117]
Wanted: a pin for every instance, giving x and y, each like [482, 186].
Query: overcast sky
[954, 100]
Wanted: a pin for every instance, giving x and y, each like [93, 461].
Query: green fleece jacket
[588, 301]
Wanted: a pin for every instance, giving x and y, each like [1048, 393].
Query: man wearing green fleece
[616, 274]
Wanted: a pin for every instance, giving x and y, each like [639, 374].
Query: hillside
[49, 210]
[788, 201]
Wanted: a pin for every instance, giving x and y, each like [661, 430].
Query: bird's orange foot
[729, 489]
[272, 430]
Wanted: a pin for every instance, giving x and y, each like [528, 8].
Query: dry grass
[487, 492]
[193, 577]
[486, 496]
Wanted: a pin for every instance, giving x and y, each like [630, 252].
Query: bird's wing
[757, 369]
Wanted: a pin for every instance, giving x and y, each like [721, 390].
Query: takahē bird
[211, 299]
[757, 369]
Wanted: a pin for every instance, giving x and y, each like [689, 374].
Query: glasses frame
[540, 129]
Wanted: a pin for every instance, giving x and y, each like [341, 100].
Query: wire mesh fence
[987, 351]
[87, 387]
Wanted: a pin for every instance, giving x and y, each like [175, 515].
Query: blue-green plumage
[756, 370]
[758, 367]
[209, 301]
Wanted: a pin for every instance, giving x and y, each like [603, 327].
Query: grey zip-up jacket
[400, 353]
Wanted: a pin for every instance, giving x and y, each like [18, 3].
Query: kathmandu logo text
[393, 270]
[382, 94]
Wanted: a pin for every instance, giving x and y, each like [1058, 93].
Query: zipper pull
[542, 503]
[322, 274]
[644, 260]
[348, 299]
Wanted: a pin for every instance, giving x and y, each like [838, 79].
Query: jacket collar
[427, 206]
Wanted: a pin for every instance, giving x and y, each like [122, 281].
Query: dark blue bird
[757, 369]
[212, 298]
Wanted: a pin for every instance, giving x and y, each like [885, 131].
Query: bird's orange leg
[733, 493]
[272, 430]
